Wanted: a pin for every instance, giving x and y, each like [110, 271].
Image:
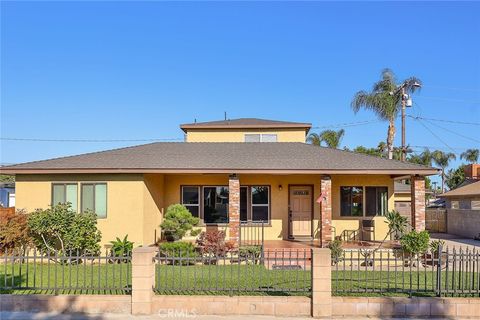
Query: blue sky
[124, 70]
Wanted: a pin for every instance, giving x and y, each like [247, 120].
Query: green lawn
[67, 279]
[224, 280]
[419, 283]
[231, 280]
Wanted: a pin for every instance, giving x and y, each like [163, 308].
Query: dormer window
[257, 137]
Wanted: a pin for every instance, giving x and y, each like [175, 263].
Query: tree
[177, 222]
[442, 159]
[471, 155]
[370, 151]
[62, 231]
[455, 177]
[331, 138]
[385, 101]
[425, 158]
[14, 232]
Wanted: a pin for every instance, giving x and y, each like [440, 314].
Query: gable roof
[244, 123]
[471, 189]
[222, 157]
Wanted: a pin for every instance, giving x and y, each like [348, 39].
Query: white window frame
[261, 136]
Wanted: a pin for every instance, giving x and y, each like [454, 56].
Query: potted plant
[433, 258]
[177, 222]
[336, 251]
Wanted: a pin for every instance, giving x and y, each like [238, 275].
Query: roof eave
[304, 126]
[419, 172]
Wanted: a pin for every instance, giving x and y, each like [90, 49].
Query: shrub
[435, 245]
[63, 231]
[251, 254]
[178, 221]
[396, 224]
[121, 248]
[178, 249]
[415, 243]
[336, 251]
[213, 243]
[14, 231]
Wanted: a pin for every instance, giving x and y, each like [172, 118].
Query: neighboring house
[7, 194]
[227, 171]
[463, 209]
[403, 198]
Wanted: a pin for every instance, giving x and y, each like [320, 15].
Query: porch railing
[252, 233]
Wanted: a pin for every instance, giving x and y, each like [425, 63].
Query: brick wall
[326, 211]
[418, 202]
[234, 208]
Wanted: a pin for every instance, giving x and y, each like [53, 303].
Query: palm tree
[385, 101]
[331, 138]
[424, 158]
[471, 155]
[442, 159]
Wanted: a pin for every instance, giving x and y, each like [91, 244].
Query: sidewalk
[50, 316]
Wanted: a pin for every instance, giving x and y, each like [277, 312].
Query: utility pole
[404, 150]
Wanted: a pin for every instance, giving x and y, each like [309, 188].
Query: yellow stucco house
[229, 173]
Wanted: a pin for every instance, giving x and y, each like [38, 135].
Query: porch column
[326, 211]
[234, 208]
[418, 202]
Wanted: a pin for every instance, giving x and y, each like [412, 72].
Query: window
[475, 205]
[244, 203]
[455, 205]
[256, 137]
[65, 192]
[215, 204]
[94, 198]
[376, 201]
[191, 199]
[351, 201]
[260, 203]
[252, 138]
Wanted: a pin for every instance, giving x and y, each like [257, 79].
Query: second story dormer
[246, 130]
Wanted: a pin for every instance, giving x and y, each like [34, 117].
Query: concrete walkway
[50, 316]
[457, 242]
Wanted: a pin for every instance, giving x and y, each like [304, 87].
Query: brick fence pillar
[143, 279]
[321, 283]
[326, 211]
[234, 208]
[418, 202]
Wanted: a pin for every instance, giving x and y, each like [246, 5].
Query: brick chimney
[472, 171]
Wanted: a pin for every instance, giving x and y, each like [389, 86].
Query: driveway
[457, 242]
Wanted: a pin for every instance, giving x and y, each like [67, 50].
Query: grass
[232, 279]
[403, 283]
[44, 278]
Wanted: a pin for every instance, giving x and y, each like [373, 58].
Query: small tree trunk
[390, 137]
[443, 180]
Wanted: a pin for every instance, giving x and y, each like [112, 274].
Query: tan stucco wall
[402, 197]
[347, 223]
[238, 135]
[136, 202]
[131, 208]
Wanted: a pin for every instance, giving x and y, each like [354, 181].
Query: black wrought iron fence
[245, 271]
[454, 272]
[75, 273]
[251, 233]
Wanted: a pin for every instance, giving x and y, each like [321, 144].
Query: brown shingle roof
[251, 123]
[472, 189]
[281, 157]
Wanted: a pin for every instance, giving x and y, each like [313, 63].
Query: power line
[347, 124]
[453, 88]
[89, 140]
[449, 121]
[448, 99]
[435, 135]
[455, 133]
